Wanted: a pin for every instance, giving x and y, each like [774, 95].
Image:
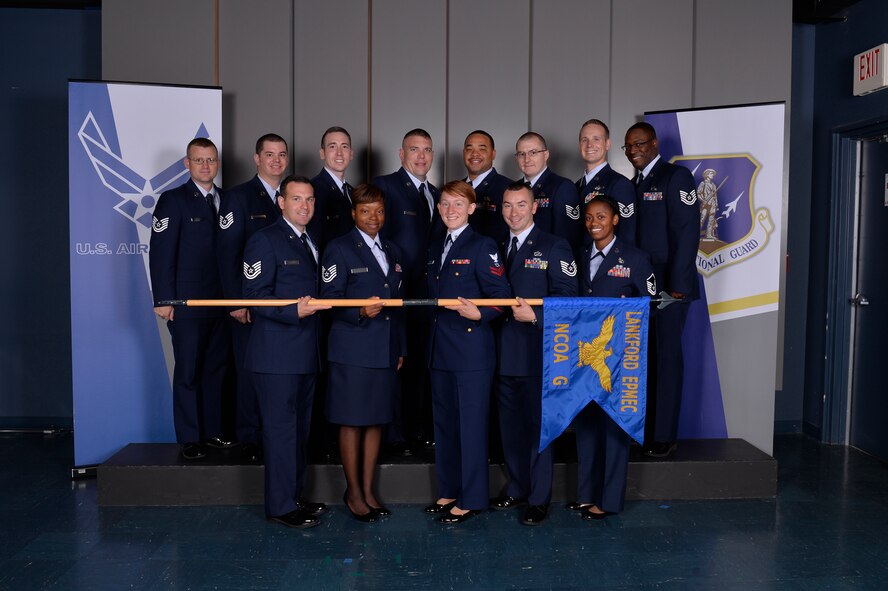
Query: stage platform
[154, 474]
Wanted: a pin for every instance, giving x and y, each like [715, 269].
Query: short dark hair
[609, 201]
[335, 129]
[201, 142]
[293, 178]
[417, 132]
[460, 189]
[519, 186]
[485, 134]
[366, 193]
[644, 126]
[533, 135]
[607, 131]
[269, 137]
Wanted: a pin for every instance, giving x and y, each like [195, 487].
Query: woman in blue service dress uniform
[463, 264]
[366, 346]
[602, 446]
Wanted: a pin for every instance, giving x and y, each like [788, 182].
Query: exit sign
[870, 74]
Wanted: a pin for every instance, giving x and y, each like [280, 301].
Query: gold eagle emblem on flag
[594, 353]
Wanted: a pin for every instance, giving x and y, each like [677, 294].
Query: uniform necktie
[425, 198]
[380, 258]
[510, 258]
[346, 190]
[595, 264]
[211, 201]
[639, 178]
[447, 244]
[581, 186]
[308, 248]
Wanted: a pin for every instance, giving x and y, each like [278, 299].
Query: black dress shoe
[436, 508]
[660, 450]
[453, 519]
[535, 514]
[368, 517]
[220, 443]
[400, 448]
[251, 453]
[316, 509]
[595, 516]
[298, 519]
[194, 451]
[506, 502]
[578, 506]
[380, 511]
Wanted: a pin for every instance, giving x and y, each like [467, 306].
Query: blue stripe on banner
[594, 349]
[668, 134]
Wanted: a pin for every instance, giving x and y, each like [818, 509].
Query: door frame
[842, 277]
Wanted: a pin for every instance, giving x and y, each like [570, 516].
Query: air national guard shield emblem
[731, 228]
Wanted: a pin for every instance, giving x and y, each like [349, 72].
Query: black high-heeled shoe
[368, 517]
[380, 511]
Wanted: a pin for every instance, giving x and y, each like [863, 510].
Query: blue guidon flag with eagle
[594, 352]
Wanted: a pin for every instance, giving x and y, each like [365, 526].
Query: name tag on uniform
[409, 212]
[652, 196]
[257, 216]
[619, 271]
[196, 219]
[536, 264]
[288, 262]
[358, 270]
[460, 261]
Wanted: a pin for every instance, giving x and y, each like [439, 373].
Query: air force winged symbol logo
[328, 274]
[731, 228]
[595, 353]
[252, 271]
[160, 225]
[569, 268]
[572, 212]
[138, 194]
[226, 220]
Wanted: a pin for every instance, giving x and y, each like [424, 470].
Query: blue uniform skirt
[360, 396]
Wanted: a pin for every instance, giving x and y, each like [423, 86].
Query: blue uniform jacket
[243, 210]
[558, 208]
[407, 221]
[277, 266]
[611, 183]
[182, 256]
[473, 269]
[625, 271]
[669, 226]
[333, 210]
[488, 216]
[543, 267]
[351, 271]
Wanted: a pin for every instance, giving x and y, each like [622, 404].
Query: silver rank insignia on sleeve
[688, 198]
[572, 212]
[252, 271]
[569, 269]
[328, 274]
[159, 225]
[652, 284]
[626, 211]
[226, 220]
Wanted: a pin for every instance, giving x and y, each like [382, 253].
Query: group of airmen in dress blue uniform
[483, 236]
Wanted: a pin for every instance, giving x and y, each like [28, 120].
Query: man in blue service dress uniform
[538, 265]
[669, 230]
[183, 265]
[280, 262]
[600, 179]
[246, 208]
[479, 152]
[333, 205]
[462, 359]
[411, 222]
[609, 268]
[558, 206]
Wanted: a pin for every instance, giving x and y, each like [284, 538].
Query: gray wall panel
[570, 74]
[651, 63]
[166, 41]
[330, 59]
[409, 41]
[489, 76]
[256, 74]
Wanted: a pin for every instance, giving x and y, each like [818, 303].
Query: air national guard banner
[594, 349]
[126, 145]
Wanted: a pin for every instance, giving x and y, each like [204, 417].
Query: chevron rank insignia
[626, 211]
[651, 282]
[159, 225]
[569, 269]
[572, 212]
[688, 197]
[328, 274]
[226, 220]
[252, 271]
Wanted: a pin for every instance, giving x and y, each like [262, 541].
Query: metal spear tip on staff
[663, 300]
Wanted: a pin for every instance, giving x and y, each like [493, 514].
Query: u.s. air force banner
[594, 349]
[126, 145]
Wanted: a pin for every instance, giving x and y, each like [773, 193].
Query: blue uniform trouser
[247, 423]
[668, 373]
[602, 459]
